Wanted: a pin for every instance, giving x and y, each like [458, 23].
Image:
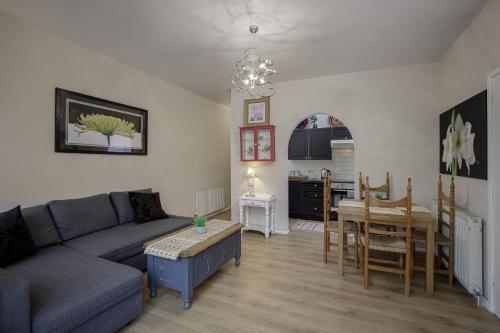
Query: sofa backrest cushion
[78, 217]
[123, 208]
[41, 225]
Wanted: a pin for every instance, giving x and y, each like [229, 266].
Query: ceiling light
[253, 75]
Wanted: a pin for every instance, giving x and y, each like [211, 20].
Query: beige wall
[464, 73]
[391, 114]
[188, 135]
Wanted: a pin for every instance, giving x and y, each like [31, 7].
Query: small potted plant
[313, 120]
[200, 222]
[379, 196]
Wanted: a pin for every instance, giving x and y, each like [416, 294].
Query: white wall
[391, 114]
[464, 73]
[188, 135]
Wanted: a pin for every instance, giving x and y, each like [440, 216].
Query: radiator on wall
[468, 268]
[209, 200]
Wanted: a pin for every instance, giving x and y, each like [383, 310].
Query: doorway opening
[319, 142]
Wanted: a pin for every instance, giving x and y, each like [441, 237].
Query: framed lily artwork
[257, 112]
[464, 138]
[86, 124]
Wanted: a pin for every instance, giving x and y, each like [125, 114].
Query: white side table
[263, 200]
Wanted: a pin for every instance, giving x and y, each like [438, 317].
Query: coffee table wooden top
[197, 248]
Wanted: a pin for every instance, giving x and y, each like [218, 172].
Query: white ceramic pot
[201, 230]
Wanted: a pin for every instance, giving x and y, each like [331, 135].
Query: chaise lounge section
[86, 275]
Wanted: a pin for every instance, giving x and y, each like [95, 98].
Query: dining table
[354, 210]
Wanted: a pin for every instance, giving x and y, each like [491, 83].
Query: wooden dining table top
[356, 209]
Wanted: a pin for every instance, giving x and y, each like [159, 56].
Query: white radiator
[209, 200]
[468, 249]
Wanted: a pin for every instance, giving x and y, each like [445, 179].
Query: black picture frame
[83, 124]
[473, 111]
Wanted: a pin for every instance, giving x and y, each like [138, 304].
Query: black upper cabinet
[298, 148]
[310, 144]
[319, 144]
[341, 133]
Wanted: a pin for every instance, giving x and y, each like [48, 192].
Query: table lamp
[250, 181]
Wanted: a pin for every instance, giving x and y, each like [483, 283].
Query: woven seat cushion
[385, 243]
[349, 227]
[420, 236]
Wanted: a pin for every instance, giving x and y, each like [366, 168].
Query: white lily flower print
[448, 154]
[466, 148]
[458, 146]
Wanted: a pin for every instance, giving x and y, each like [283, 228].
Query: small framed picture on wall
[257, 112]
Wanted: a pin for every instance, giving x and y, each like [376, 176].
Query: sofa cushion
[123, 208]
[78, 217]
[15, 238]
[147, 207]
[41, 225]
[126, 240]
[68, 287]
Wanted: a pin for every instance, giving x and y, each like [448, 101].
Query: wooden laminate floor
[282, 285]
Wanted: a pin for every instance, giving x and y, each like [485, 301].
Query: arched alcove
[318, 141]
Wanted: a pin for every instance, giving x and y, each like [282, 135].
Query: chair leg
[439, 256]
[401, 264]
[356, 244]
[326, 244]
[407, 272]
[328, 248]
[451, 263]
[365, 263]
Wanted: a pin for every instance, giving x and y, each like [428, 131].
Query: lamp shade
[250, 172]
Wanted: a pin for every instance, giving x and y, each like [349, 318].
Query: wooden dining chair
[331, 227]
[388, 213]
[385, 189]
[442, 239]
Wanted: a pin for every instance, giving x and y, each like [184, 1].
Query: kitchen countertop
[316, 180]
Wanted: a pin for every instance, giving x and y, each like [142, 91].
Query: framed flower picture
[464, 139]
[257, 112]
[86, 124]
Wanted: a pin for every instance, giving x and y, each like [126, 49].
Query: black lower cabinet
[305, 200]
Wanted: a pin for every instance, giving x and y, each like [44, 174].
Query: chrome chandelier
[253, 75]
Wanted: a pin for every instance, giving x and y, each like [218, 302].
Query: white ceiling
[194, 43]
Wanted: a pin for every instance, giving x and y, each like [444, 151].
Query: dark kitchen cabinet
[294, 197]
[310, 144]
[319, 144]
[305, 200]
[341, 133]
[298, 145]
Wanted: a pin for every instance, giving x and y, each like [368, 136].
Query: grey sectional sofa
[86, 275]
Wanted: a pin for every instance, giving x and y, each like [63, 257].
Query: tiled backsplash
[342, 165]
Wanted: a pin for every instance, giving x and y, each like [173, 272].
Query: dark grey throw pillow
[15, 238]
[41, 225]
[147, 207]
[121, 202]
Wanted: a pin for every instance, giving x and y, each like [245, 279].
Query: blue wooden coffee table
[194, 264]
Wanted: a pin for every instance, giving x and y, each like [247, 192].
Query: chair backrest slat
[385, 189]
[403, 220]
[449, 200]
